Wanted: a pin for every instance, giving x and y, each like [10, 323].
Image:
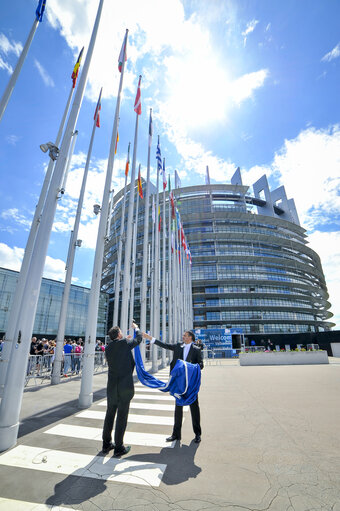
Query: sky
[254, 84]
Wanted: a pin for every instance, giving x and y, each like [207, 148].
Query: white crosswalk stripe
[88, 433]
[146, 406]
[133, 418]
[23, 505]
[154, 397]
[96, 467]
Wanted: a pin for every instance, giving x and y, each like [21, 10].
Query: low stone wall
[335, 349]
[283, 358]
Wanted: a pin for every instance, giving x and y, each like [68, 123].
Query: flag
[74, 75]
[177, 180]
[171, 195]
[40, 10]
[140, 188]
[117, 140]
[164, 175]
[150, 128]
[127, 165]
[138, 105]
[158, 156]
[98, 108]
[207, 176]
[122, 52]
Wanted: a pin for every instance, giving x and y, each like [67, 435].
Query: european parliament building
[49, 304]
[252, 267]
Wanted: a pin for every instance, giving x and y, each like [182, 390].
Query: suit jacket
[121, 365]
[194, 355]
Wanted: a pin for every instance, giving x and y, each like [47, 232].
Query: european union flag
[40, 10]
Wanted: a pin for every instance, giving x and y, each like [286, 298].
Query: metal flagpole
[156, 308]
[128, 242]
[133, 260]
[143, 297]
[86, 394]
[120, 248]
[74, 242]
[164, 352]
[19, 290]
[13, 391]
[152, 257]
[170, 278]
[11, 84]
[69, 159]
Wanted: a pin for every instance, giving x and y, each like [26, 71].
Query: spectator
[67, 356]
[77, 356]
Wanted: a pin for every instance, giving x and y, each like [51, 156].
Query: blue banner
[40, 10]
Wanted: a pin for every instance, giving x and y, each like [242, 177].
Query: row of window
[261, 315]
[265, 302]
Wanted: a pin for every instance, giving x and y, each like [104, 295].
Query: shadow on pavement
[46, 417]
[179, 461]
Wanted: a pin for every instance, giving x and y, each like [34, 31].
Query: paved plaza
[270, 442]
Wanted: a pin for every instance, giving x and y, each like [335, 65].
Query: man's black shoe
[197, 439]
[108, 448]
[123, 450]
[172, 438]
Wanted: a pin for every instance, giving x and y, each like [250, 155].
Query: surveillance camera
[96, 208]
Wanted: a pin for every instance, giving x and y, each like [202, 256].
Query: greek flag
[159, 157]
[184, 382]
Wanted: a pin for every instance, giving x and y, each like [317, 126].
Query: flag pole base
[8, 436]
[85, 401]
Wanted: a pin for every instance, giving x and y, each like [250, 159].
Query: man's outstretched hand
[147, 336]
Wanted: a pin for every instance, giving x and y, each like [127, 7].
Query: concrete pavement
[270, 442]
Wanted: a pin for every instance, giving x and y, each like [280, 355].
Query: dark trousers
[122, 410]
[195, 417]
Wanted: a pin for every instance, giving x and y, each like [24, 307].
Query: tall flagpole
[170, 278]
[20, 287]
[86, 394]
[133, 260]
[156, 308]
[120, 248]
[143, 297]
[11, 84]
[164, 352]
[13, 391]
[74, 242]
[128, 242]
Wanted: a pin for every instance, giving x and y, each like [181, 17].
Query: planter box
[283, 358]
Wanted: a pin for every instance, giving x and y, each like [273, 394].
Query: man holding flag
[189, 352]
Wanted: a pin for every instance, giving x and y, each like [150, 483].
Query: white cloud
[48, 81]
[8, 47]
[249, 29]
[333, 54]
[11, 258]
[14, 216]
[12, 139]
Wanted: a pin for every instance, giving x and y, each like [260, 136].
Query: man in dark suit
[120, 387]
[188, 351]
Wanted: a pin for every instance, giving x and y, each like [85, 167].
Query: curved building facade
[252, 267]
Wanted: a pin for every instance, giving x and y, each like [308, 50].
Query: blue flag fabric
[184, 382]
[40, 10]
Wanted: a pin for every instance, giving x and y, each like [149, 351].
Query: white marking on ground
[140, 419]
[130, 437]
[97, 467]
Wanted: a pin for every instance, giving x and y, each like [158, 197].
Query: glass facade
[252, 267]
[49, 304]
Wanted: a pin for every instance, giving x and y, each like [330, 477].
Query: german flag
[140, 188]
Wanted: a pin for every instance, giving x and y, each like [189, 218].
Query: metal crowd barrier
[215, 356]
[39, 367]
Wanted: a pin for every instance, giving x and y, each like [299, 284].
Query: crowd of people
[42, 353]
